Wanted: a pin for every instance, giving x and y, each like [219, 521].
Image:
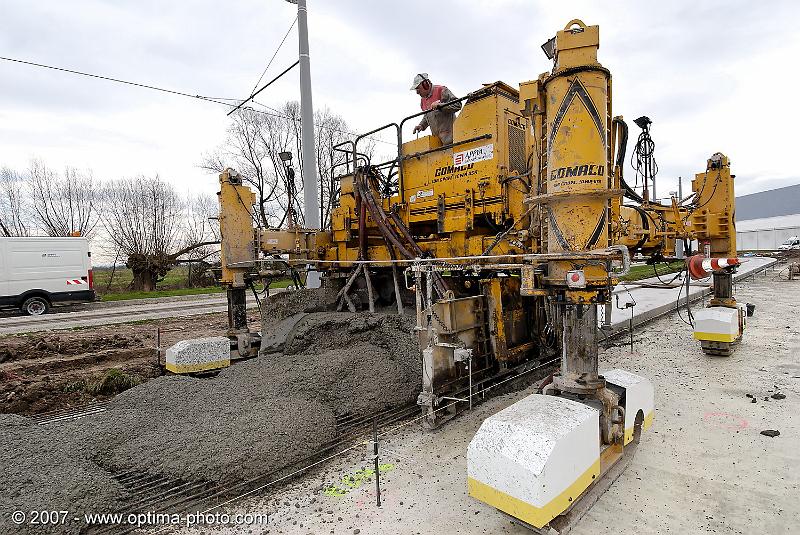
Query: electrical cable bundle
[643, 159]
[690, 323]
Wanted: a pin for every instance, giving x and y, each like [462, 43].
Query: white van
[790, 244]
[37, 272]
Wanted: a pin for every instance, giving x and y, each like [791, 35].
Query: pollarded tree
[201, 212]
[145, 219]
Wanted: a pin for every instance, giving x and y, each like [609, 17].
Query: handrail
[444, 147]
[349, 153]
[384, 127]
[399, 129]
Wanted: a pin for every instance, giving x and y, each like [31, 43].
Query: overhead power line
[251, 97]
[108, 78]
[273, 56]
[215, 100]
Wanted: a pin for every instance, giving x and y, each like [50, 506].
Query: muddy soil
[44, 372]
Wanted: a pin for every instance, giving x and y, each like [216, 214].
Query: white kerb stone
[198, 354]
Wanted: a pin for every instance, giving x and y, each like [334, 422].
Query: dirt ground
[43, 372]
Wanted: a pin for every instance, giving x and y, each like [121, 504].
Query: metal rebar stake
[377, 466]
[631, 329]
[469, 363]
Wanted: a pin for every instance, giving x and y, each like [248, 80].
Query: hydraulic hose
[622, 147]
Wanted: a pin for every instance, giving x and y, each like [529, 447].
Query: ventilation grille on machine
[516, 149]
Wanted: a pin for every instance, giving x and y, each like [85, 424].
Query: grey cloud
[670, 60]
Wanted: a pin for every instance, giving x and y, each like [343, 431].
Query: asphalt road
[109, 313]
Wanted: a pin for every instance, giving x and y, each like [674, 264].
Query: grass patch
[174, 284]
[121, 296]
[123, 277]
[645, 272]
[113, 382]
[75, 386]
[276, 284]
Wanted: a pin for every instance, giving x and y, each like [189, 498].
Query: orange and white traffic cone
[701, 267]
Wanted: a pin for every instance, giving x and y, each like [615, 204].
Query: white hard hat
[418, 79]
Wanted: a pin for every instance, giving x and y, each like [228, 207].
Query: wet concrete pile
[354, 363]
[260, 415]
[253, 418]
[42, 470]
[206, 431]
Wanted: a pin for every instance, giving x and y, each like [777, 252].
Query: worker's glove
[436, 104]
[417, 128]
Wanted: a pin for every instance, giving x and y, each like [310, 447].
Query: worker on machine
[434, 100]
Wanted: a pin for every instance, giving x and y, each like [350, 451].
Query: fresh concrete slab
[704, 466]
[651, 301]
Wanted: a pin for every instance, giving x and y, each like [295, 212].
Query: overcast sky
[712, 75]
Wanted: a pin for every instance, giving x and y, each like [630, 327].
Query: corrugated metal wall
[764, 239]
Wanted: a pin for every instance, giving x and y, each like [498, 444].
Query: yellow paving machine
[508, 242]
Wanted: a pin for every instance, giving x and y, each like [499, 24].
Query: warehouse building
[766, 219]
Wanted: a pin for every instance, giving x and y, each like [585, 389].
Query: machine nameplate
[478, 154]
[421, 194]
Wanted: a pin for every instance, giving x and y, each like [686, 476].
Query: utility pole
[310, 179]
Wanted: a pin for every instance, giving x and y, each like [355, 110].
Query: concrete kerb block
[199, 354]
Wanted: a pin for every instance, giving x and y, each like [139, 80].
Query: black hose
[622, 143]
[645, 223]
[622, 147]
[389, 234]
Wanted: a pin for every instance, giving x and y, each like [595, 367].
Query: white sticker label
[272, 241]
[421, 194]
[478, 154]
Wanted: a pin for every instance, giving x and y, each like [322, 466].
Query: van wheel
[35, 306]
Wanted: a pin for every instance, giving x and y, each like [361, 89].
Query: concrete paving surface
[704, 466]
[652, 300]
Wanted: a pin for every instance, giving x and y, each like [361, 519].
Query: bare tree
[252, 147]
[255, 141]
[13, 205]
[332, 130]
[199, 228]
[63, 205]
[145, 219]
